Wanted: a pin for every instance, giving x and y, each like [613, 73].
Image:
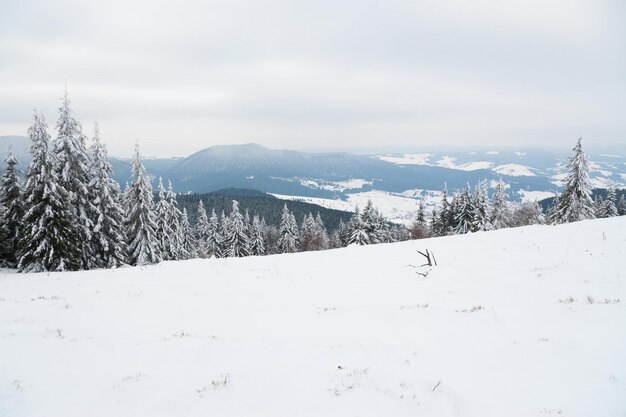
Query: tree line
[69, 214]
[468, 211]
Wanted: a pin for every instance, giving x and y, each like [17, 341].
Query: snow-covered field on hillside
[518, 322]
[400, 208]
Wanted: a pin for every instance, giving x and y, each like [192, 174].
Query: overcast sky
[183, 75]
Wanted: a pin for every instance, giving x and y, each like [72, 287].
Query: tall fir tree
[164, 231]
[143, 244]
[214, 236]
[358, 229]
[307, 234]
[442, 223]
[71, 167]
[108, 238]
[321, 233]
[202, 232]
[237, 241]
[175, 217]
[610, 204]
[499, 209]
[575, 203]
[289, 239]
[464, 212]
[621, 206]
[257, 243]
[481, 205]
[13, 211]
[189, 241]
[49, 240]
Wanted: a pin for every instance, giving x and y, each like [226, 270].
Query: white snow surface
[407, 158]
[517, 322]
[514, 170]
[530, 196]
[398, 208]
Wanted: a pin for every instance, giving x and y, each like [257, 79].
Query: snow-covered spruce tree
[289, 237]
[598, 207]
[442, 223]
[49, 241]
[321, 235]
[419, 228]
[575, 201]
[108, 239]
[465, 212]
[143, 246]
[257, 243]
[223, 232]
[12, 213]
[71, 167]
[202, 232]
[358, 229]
[214, 239]
[481, 209]
[374, 224]
[343, 233]
[164, 231]
[500, 215]
[236, 240]
[188, 239]
[175, 217]
[307, 234]
[610, 204]
[621, 206]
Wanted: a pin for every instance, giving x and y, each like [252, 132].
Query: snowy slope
[525, 322]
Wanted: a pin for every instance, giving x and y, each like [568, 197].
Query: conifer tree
[499, 210]
[442, 224]
[164, 231]
[419, 228]
[71, 167]
[480, 221]
[202, 232]
[321, 233]
[236, 240]
[108, 240]
[188, 241]
[288, 231]
[465, 213]
[223, 232]
[12, 211]
[621, 206]
[358, 230]
[257, 243]
[610, 205]
[143, 244]
[174, 216]
[214, 239]
[598, 207]
[49, 242]
[307, 234]
[575, 203]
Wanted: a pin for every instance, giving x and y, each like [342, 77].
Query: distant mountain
[530, 173]
[325, 175]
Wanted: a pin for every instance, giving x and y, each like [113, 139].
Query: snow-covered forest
[67, 213]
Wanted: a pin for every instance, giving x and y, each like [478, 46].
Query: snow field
[516, 322]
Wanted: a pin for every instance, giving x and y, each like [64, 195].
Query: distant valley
[339, 180]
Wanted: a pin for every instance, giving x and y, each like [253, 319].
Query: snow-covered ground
[519, 322]
[398, 208]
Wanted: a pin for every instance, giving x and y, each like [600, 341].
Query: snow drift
[517, 322]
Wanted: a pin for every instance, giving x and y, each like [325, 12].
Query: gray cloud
[183, 75]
